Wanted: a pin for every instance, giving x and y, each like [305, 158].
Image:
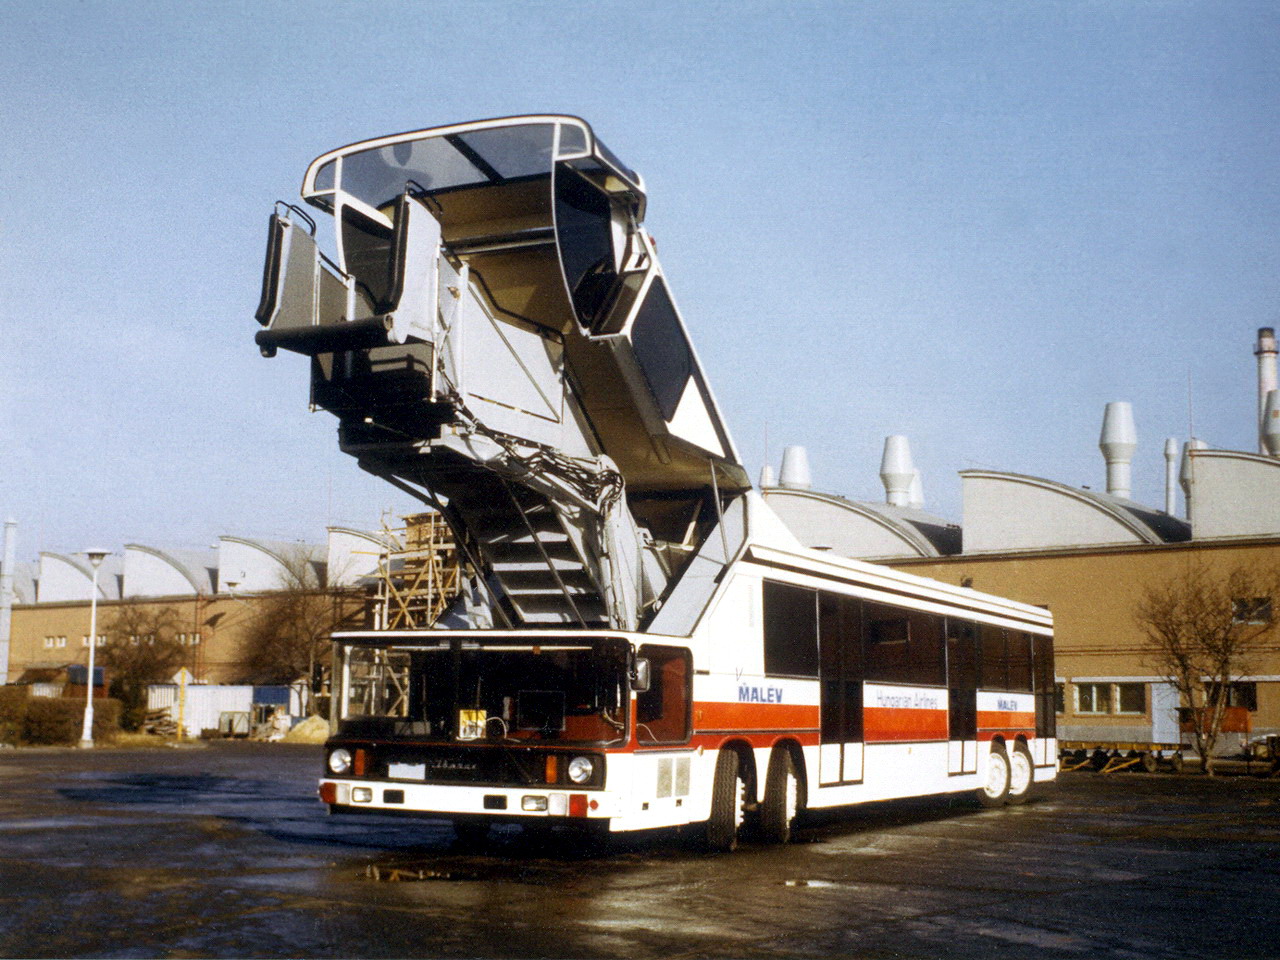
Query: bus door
[962, 696]
[840, 758]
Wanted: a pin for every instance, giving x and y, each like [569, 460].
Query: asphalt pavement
[223, 851]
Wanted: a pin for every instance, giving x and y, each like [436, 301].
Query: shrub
[56, 720]
[13, 712]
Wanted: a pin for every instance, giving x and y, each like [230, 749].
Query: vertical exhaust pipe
[6, 594]
[1265, 351]
[795, 473]
[896, 471]
[1170, 476]
[1187, 475]
[1118, 441]
[1271, 423]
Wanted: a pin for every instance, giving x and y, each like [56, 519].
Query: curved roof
[277, 560]
[1010, 511]
[1234, 493]
[195, 568]
[858, 529]
[69, 576]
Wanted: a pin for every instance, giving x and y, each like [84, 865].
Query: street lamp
[86, 734]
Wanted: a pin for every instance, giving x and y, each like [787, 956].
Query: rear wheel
[728, 797]
[995, 785]
[1021, 774]
[783, 798]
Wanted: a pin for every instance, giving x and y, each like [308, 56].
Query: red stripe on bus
[712, 715]
[887, 724]
[1006, 720]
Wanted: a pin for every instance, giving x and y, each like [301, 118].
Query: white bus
[810, 681]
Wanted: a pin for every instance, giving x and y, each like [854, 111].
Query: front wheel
[728, 797]
[783, 798]
[1021, 774]
[995, 786]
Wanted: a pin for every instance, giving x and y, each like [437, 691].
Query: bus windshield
[557, 691]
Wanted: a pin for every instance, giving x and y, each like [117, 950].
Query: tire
[995, 790]
[1176, 763]
[783, 798]
[1148, 763]
[725, 822]
[1022, 774]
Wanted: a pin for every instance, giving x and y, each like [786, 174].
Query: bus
[809, 681]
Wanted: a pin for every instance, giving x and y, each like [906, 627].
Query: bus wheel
[1021, 774]
[995, 786]
[727, 801]
[783, 798]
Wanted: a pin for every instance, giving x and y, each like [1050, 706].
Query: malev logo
[747, 693]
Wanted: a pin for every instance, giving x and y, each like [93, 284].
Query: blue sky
[970, 223]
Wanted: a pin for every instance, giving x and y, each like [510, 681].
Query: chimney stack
[896, 471]
[1118, 441]
[1265, 351]
[6, 594]
[1271, 423]
[1171, 476]
[767, 478]
[795, 469]
[1186, 476]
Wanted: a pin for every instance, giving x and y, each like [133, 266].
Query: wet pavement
[224, 851]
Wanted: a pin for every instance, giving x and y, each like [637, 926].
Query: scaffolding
[419, 573]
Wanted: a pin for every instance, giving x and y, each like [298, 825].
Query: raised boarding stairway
[531, 554]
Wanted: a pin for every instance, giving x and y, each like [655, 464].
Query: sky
[970, 223]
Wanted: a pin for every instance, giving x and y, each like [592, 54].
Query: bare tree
[1203, 631]
[287, 639]
[141, 648]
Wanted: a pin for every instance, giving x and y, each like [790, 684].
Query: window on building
[48, 642]
[1131, 698]
[1242, 693]
[1093, 698]
[1251, 610]
[60, 641]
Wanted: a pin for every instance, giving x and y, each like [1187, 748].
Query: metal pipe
[6, 594]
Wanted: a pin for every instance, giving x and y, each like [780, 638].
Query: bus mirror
[640, 675]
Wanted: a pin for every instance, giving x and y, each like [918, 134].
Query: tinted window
[993, 671]
[662, 711]
[366, 248]
[1019, 653]
[886, 632]
[840, 641]
[790, 630]
[585, 237]
[661, 349]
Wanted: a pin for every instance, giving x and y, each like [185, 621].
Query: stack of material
[310, 730]
[159, 722]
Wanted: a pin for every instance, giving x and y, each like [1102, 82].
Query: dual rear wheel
[1009, 776]
[731, 797]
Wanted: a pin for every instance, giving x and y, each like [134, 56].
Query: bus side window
[1020, 662]
[993, 667]
[790, 630]
[662, 711]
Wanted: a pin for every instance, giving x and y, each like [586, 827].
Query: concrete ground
[224, 852]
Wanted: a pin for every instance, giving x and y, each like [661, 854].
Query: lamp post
[86, 734]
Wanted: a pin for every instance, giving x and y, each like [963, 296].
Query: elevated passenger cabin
[493, 298]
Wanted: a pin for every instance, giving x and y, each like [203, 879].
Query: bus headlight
[340, 760]
[581, 769]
